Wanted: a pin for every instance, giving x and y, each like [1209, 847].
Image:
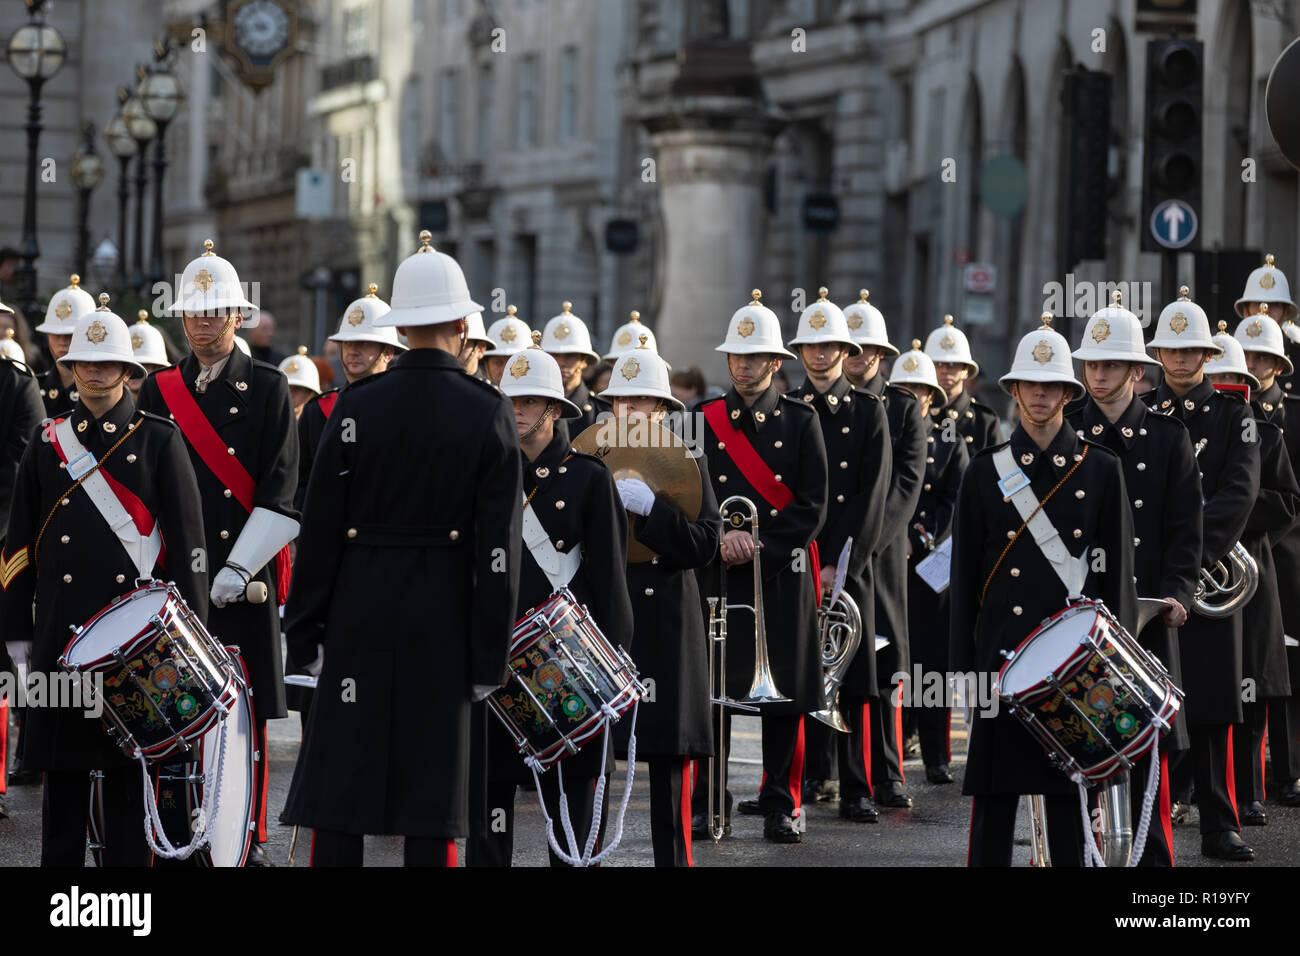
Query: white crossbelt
[1015, 485]
[558, 567]
[142, 550]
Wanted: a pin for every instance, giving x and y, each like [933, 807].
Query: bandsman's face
[59, 345]
[359, 357]
[1106, 377]
[639, 406]
[1276, 310]
[99, 374]
[822, 357]
[865, 363]
[204, 329]
[496, 367]
[950, 374]
[1181, 364]
[528, 409]
[571, 367]
[1040, 399]
[752, 370]
[1263, 366]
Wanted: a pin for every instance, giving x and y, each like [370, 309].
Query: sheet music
[934, 569]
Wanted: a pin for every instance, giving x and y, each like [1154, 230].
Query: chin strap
[230, 320]
[84, 386]
[1024, 412]
[546, 412]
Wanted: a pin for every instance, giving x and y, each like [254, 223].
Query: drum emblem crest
[185, 705]
[1125, 723]
[549, 677]
[165, 676]
[573, 706]
[1100, 696]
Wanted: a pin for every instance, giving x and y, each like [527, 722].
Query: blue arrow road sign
[1173, 223]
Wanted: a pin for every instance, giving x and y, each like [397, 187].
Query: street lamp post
[87, 173]
[123, 147]
[36, 52]
[142, 129]
[160, 92]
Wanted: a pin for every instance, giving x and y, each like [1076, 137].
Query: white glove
[314, 668]
[483, 691]
[19, 651]
[263, 535]
[227, 587]
[636, 494]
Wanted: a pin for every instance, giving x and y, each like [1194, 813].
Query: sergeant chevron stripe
[12, 566]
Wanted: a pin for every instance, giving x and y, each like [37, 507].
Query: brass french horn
[839, 625]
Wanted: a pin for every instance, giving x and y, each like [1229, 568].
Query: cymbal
[640, 448]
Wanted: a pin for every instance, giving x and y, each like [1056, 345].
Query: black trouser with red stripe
[1248, 752]
[1210, 763]
[993, 829]
[783, 754]
[65, 804]
[4, 743]
[1159, 849]
[886, 741]
[829, 754]
[261, 778]
[1284, 738]
[334, 848]
[492, 841]
[670, 810]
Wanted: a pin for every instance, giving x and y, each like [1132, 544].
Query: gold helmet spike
[1047, 320]
[207, 247]
[511, 310]
[103, 302]
[1223, 326]
[1268, 259]
[537, 339]
[302, 350]
[863, 295]
[823, 292]
[757, 295]
[636, 317]
[916, 345]
[1184, 294]
[1116, 298]
[373, 289]
[143, 316]
[566, 307]
[644, 340]
[1263, 308]
[75, 280]
[426, 237]
[947, 320]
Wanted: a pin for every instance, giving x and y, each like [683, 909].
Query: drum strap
[125, 513]
[558, 567]
[1016, 488]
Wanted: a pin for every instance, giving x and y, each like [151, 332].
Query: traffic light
[1171, 176]
[1086, 99]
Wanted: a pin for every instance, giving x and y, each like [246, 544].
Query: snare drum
[563, 672]
[165, 679]
[1092, 696]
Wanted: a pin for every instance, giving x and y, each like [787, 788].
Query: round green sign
[1004, 185]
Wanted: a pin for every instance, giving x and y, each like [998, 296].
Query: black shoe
[1253, 815]
[1290, 795]
[779, 828]
[820, 791]
[912, 746]
[859, 810]
[938, 774]
[701, 828]
[257, 856]
[892, 795]
[1226, 846]
[1180, 812]
[750, 808]
[19, 777]
[4, 813]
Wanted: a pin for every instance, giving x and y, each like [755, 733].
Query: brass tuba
[1230, 584]
[839, 625]
[1115, 823]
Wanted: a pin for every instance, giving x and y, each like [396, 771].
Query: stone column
[712, 140]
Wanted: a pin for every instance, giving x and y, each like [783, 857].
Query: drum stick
[255, 592]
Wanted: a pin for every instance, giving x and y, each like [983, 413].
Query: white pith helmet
[1232, 359]
[1267, 284]
[641, 372]
[1183, 325]
[915, 368]
[10, 348]
[508, 336]
[533, 371]
[429, 288]
[66, 308]
[867, 324]
[300, 370]
[359, 322]
[147, 342]
[211, 284]
[1042, 356]
[628, 336]
[566, 334]
[823, 323]
[754, 330]
[948, 344]
[101, 336]
[1113, 334]
[1261, 334]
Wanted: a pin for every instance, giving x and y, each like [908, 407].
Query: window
[450, 116]
[356, 32]
[486, 96]
[569, 94]
[527, 97]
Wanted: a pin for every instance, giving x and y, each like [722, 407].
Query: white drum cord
[1091, 855]
[211, 798]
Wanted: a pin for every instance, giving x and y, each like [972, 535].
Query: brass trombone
[737, 511]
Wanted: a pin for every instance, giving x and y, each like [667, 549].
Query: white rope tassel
[153, 823]
[1091, 855]
[1148, 802]
[572, 856]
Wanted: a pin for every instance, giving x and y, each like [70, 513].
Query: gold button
[776, 444]
[352, 532]
[969, 440]
[234, 410]
[929, 461]
[67, 579]
[844, 464]
[120, 578]
[110, 427]
[1078, 533]
[563, 469]
[649, 592]
[559, 545]
[559, 506]
[654, 560]
[225, 535]
[722, 479]
[845, 431]
[1017, 610]
[1142, 431]
[131, 459]
[774, 512]
[230, 451]
[227, 492]
[777, 477]
[1138, 503]
[1015, 572]
[1142, 466]
[722, 446]
[455, 536]
[1010, 535]
[927, 486]
[65, 539]
[62, 465]
[839, 498]
[64, 502]
[1136, 542]
[1080, 493]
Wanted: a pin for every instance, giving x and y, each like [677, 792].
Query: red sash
[756, 471]
[326, 403]
[205, 441]
[140, 516]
